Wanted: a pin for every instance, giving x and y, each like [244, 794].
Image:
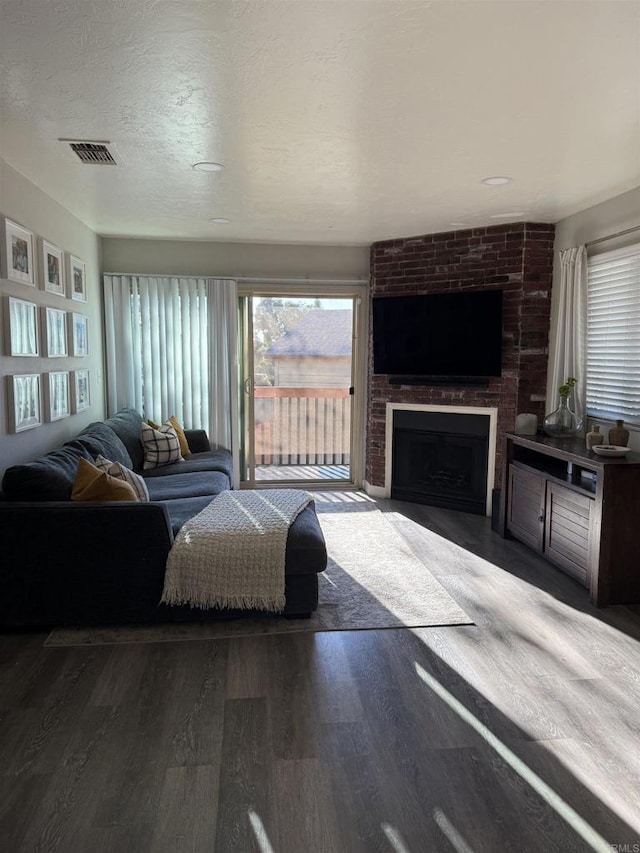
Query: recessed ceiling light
[496, 181]
[207, 166]
[219, 220]
[459, 225]
[515, 215]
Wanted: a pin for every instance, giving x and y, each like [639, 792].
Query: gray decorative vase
[594, 437]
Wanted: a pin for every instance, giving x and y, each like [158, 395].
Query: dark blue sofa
[70, 563]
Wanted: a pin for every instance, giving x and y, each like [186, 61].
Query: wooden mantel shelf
[579, 510]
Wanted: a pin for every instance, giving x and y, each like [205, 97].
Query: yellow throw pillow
[118, 470]
[182, 438]
[91, 484]
[153, 424]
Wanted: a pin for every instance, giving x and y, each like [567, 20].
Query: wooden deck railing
[302, 426]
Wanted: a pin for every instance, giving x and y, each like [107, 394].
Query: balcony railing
[302, 426]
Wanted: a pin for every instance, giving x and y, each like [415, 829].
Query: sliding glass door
[298, 388]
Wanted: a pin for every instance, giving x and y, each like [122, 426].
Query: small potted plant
[563, 422]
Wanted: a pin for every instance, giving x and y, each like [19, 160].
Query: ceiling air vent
[93, 152]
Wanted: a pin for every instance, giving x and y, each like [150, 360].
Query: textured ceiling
[343, 121]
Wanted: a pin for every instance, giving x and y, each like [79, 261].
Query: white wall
[611, 216]
[22, 202]
[268, 260]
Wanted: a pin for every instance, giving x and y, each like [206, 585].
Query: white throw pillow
[117, 469]
[161, 446]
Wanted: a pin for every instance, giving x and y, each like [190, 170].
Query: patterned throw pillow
[175, 423]
[161, 446]
[118, 470]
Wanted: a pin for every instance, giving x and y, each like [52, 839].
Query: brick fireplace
[518, 258]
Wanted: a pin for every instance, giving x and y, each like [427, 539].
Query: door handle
[248, 386]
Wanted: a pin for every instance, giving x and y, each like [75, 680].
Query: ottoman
[305, 558]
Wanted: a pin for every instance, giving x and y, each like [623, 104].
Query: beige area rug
[373, 580]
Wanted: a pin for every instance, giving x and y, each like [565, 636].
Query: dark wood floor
[521, 733]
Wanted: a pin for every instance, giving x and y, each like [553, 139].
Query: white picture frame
[80, 391]
[21, 327]
[79, 334]
[56, 392]
[52, 273]
[76, 278]
[55, 332]
[23, 391]
[17, 253]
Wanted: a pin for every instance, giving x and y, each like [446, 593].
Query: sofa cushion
[182, 509]
[192, 485]
[161, 446]
[117, 470]
[210, 460]
[101, 440]
[48, 478]
[127, 424]
[92, 484]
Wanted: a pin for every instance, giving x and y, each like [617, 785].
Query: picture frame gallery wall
[43, 324]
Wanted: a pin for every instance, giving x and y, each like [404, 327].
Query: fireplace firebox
[441, 458]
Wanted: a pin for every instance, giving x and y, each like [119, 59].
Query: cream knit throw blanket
[232, 553]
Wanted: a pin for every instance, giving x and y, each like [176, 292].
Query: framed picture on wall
[55, 325]
[79, 324]
[21, 327]
[52, 268]
[56, 391]
[17, 253]
[80, 391]
[76, 275]
[23, 391]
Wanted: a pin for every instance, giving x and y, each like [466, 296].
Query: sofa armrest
[62, 561]
[198, 440]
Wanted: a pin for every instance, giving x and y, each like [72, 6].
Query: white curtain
[223, 359]
[569, 353]
[171, 349]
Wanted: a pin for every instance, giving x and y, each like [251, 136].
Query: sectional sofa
[71, 563]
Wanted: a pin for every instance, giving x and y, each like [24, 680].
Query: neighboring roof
[318, 332]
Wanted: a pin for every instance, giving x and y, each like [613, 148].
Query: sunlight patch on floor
[589, 835]
[341, 497]
[260, 832]
[454, 837]
[394, 838]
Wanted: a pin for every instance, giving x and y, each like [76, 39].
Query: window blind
[613, 335]
[170, 350]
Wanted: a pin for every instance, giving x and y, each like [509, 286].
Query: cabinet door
[568, 520]
[525, 512]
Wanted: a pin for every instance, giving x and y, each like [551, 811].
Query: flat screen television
[439, 335]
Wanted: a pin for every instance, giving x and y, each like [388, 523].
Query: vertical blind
[613, 334]
[170, 345]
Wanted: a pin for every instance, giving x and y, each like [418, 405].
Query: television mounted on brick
[438, 337]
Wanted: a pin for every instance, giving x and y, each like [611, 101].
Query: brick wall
[517, 258]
